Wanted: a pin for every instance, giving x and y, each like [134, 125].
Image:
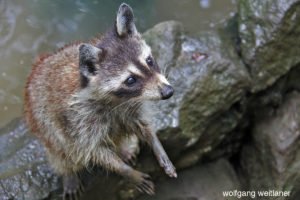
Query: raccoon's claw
[128, 158]
[146, 185]
[142, 182]
[73, 188]
[169, 168]
[72, 194]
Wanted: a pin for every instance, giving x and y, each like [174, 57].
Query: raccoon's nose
[166, 92]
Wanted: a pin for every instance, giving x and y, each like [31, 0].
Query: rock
[271, 161]
[24, 171]
[204, 182]
[269, 32]
[209, 79]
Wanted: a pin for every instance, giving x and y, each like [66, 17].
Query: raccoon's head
[121, 66]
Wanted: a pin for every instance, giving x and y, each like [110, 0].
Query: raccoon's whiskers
[135, 106]
[119, 105]
[166, 70]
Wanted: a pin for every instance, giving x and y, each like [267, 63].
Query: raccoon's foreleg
[108, 159]
[162, 156]
[151, 138]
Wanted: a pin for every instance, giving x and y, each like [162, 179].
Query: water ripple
[8, 16]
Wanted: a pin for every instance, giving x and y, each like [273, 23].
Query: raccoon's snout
[166, 92]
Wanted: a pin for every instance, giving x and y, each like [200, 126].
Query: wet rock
[269, 33]
[204, 182]
[209, 79]
[24, 171]
[271, 160]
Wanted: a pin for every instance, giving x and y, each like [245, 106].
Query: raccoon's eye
[130, 81]
[149, 61]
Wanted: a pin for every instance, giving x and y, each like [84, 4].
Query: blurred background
[31, 27]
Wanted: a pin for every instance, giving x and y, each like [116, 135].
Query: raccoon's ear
[125, 21]
[89, 55]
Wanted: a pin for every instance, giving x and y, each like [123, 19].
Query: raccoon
[85, 101]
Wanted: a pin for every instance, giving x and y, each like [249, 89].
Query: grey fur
[88, 55]
[125, 20]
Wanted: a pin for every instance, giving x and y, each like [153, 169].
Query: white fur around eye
[116, 82]
[145, 53]
[134, 70]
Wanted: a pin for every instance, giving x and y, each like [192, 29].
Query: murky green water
[30, 27]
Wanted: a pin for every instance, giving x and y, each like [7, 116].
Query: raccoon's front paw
[169, 168]
[128, 149]
[73, 187]
[128, 157]
[143, 183]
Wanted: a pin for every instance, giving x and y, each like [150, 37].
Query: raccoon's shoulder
[55, 77]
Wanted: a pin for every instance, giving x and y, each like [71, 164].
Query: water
[31, 27]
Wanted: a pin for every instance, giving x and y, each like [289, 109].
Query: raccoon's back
[52, 81]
